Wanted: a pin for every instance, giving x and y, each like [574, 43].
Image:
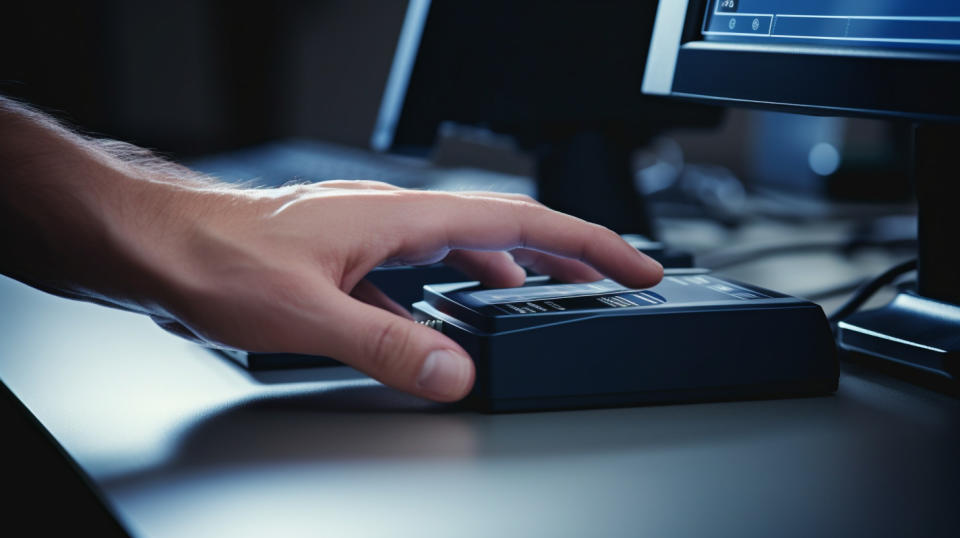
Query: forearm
[68, 204]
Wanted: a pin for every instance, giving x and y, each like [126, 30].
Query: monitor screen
[934, 24]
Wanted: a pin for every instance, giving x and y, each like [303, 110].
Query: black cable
[867, 290]
[837, 289]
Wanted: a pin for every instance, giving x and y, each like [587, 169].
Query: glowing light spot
[824, 159]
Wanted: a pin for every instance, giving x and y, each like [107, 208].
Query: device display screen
[605, 294]
[930, 24]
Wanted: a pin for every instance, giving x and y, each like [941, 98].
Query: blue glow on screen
[931, 24]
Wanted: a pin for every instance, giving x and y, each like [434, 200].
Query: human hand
[278, 270]
[283, 269]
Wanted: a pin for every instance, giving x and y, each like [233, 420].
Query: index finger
[492, 223]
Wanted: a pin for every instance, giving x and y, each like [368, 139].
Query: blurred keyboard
[278, 163]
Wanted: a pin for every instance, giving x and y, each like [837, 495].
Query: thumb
[396, 351]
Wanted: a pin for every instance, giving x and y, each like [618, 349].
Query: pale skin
[280, 269]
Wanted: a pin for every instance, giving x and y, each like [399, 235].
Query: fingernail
[443, 373]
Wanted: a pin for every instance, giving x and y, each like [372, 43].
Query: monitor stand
[589, 174]
[919, 330]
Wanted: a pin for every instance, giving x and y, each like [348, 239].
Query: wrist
[152, 229]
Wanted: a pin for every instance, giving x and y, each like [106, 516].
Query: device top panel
[543, 302]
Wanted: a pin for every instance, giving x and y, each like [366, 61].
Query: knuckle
[596, 235]
[528, 210]
[372, 184]
[388, 345]
[529, 205]
[602, 233]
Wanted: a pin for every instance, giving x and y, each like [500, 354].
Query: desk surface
[185, 443]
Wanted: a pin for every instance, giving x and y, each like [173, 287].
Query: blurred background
[291, 90]
[193, 78]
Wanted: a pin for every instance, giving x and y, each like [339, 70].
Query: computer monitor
[896, 58]
[561, 76]
[889, 59]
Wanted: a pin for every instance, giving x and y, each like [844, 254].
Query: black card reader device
[694, 336]
[404, 284]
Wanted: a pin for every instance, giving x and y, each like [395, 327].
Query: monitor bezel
[873, 82]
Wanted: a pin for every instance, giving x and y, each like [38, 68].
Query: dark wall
[192, 77]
